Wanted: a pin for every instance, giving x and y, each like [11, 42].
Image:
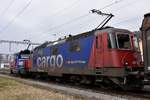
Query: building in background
[4, 60]
[138, 34]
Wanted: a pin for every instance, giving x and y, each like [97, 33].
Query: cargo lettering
[50, 61]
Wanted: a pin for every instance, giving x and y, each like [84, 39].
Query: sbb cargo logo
[50, 61]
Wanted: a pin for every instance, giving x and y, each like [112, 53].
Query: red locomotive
[21, 62]
[109, 56]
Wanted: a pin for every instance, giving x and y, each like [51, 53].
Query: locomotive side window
[54, 51]
[74, 47]
[112, 43]
[40, 52]
[123, 41]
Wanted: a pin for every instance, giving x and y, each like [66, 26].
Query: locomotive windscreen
[121, 41]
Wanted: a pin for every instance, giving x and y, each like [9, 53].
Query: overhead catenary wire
[61, 25]
[65, 8]
[80, 17]
[106, 7]
[127, 20]
[127, 5]
[109, 5]
[72, 20]
[68, 22]
[18, 14]
[68, 7]
[121, 22]
[6, 9]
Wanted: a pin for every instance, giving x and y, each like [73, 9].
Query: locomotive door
[98, 51]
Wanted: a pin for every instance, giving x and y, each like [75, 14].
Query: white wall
[1, 65]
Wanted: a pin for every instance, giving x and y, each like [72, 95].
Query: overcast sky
[47, 20]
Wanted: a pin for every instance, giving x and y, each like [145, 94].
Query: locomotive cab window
[74, 47]
[123, 41]
[120, 41]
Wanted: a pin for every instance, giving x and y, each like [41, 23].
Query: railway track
[143, 94]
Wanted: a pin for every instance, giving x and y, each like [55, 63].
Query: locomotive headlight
[126, 63]
[141, 63]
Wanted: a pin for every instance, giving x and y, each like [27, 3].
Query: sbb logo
[50, 61]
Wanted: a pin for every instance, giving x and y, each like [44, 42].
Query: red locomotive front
[116, 56]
